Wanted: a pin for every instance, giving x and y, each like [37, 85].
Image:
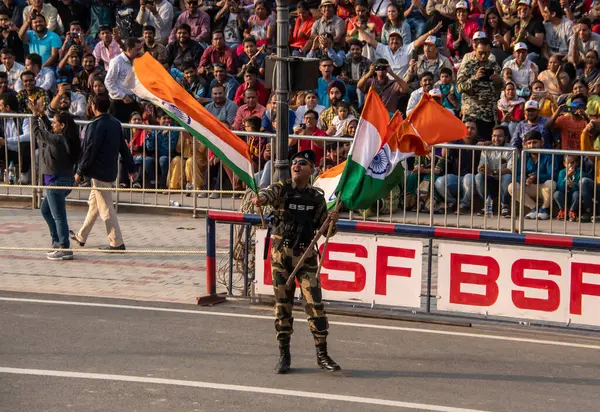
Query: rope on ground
[127, 251]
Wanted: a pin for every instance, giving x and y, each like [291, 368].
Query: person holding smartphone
[570, 120]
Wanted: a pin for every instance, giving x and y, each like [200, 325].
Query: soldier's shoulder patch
[319, 191]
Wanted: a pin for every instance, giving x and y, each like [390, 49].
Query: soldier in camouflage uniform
[299, 210]
[480, 88]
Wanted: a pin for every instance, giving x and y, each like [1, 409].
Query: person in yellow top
[590, 188]
[592, 108]
[185, 147]
[547, 104]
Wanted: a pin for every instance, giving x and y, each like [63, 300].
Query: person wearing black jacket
[102, 144]
[59, 150]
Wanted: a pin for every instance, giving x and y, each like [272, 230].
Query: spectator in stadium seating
[218, 52]
[70, 65]
[30, 92]
[41, 41]
[159, 14]
[336, 91]
[156, 50]
[10, 66]
[523, 70]
[222, 76]
[194, 84]
[592, 107]
[532, 121]
[90, 71]
[44, 76]
[416, 16]
[372, 23]
[252, 56]
[15, 137]
[570, 120]
[567, 191]
[311, 103]
[430, 61]
[269, 117]
[4, 87]
[136, 138]
[76, 104]
[328, 23]
[14, 11]
[326, 68]
[546, 103]
[395, 23]
[230, 19]
[9, 36]
[192, 175]
[537, 186]
[461, 31]
[107, 48]
[250, 108]
[498, 32]
[221, 107]
[451, 98]
[397, 54]
[160, 148]
[101, 14]
[302, 28]
[308, 127]
[556, 80]
[479, 83]
[582, 41]
[495, 171]
[455, 163]
[530, 30]
[590, 73]
[183, 50]
[510, 107]
[49, 12]
[197, 20]
[75, 39]
[261, 25]
[426, 83]
[590, 142]
[251, 81]
[354, 68]
[388, 85]
[558, 30]
[124, 102]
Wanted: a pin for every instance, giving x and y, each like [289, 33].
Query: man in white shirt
[583, 41]
[426, 82]
[397, 54]
[123, 100]
[524, 71]
[159, 15]
[11, 67]
[48, 11]
[44, 77]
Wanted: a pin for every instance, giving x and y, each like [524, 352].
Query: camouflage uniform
[479, 97]
[285, 254]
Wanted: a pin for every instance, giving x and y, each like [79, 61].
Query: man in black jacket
[102, 145]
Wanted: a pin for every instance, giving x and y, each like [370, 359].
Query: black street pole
[282, 165]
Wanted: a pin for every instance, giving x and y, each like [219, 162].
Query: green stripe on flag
[242, 174]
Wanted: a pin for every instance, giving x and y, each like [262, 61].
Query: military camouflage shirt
[479, 97]
[276, 197]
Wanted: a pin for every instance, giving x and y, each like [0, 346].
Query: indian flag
[150, 81]
[328, 183]
[374, 164]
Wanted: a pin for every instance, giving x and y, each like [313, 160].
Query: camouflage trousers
[283, 262]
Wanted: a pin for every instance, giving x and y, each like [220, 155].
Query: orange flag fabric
[434, 123]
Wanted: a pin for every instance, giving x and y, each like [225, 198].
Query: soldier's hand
[334, 216]
[259, 200]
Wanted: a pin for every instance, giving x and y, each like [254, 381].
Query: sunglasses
[62, 80]
[300, 162]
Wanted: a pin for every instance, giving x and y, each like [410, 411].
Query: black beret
[306, 154]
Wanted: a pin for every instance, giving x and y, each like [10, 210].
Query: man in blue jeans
[458, 167]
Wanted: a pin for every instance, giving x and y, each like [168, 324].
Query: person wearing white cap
[430, 61]
[328, 23]
[529, 30]
[395, 52]
[477, 37]
[461, 32]
[532, 121]
[524, 71]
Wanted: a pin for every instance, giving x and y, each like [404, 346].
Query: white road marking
[235, 388]
[349, 324]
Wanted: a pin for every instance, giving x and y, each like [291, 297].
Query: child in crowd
[567, 190]
[161, 145]
[136, 139]
[341, 120]
[450, 96]
[546, 103]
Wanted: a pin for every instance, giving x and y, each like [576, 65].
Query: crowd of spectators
[518, 73]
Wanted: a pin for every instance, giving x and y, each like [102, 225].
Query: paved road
[169, 357]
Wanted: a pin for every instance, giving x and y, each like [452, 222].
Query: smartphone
[489, 73]
[571, 109]
[302, 125]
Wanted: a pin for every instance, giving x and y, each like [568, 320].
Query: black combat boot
[324, 361]
[285, 359]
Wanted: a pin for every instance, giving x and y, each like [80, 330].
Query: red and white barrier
[522, 283]
[386, 271]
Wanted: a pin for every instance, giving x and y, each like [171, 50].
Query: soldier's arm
[272, 194]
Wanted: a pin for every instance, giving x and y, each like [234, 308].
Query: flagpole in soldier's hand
[331, 224]
[327, 224]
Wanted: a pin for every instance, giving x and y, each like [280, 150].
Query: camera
[302, 125]
[74, 35]
[381, 67]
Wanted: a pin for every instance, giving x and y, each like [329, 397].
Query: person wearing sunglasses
[299, 210]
